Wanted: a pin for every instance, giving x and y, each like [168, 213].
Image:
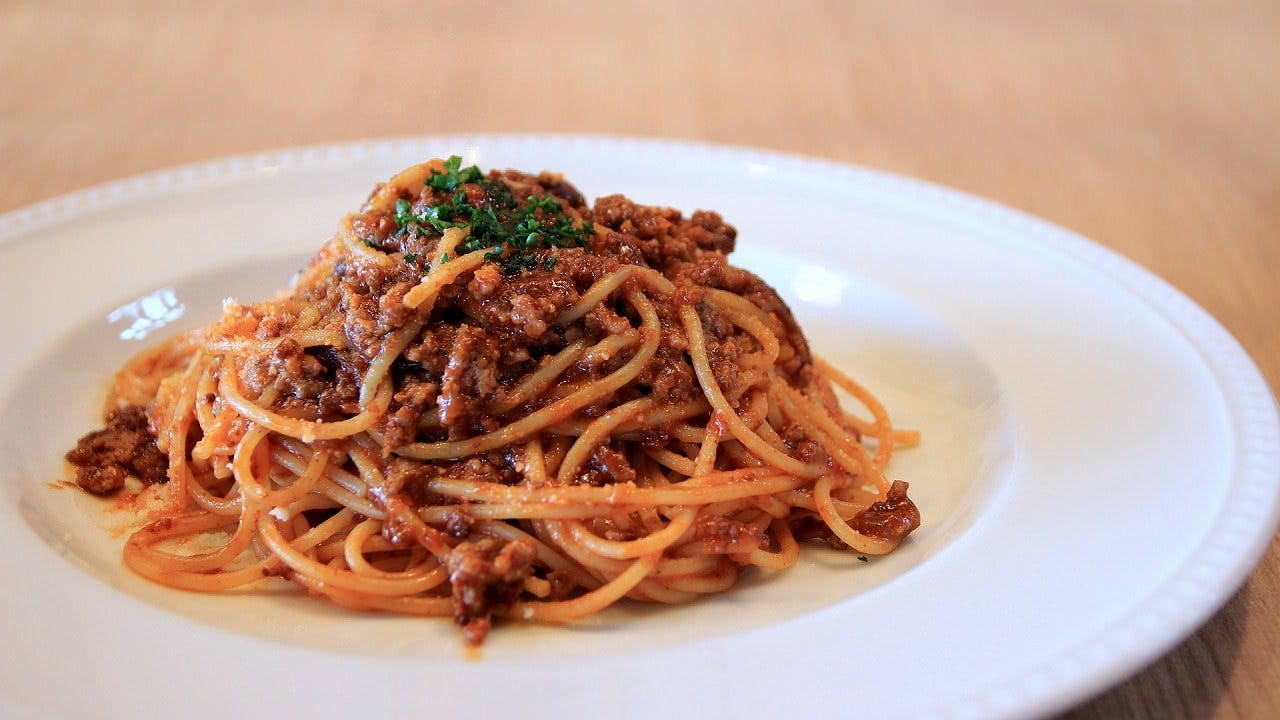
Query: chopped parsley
[411, 257]
[512, 232]
[454, 175]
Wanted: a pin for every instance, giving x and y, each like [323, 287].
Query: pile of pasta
[484, 400]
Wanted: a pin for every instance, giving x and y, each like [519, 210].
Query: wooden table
[1150, 127]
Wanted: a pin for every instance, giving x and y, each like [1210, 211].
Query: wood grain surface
[1150, 127]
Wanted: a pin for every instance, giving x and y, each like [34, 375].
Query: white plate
[1098, 474]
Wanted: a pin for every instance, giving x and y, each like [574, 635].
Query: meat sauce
[125, 448]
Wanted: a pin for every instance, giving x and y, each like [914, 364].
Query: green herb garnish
[454, 175]
[404, 212]
[512, 232]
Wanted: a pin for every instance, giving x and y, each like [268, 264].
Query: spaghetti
[484, 399]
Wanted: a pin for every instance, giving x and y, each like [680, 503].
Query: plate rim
[1116, 651]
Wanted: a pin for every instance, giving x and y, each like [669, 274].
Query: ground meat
[809, 526]
[458, 523]
[341, 394]
[709, 231]
[489, 468]
[408, 479]
[585, 267]
[392, 312]
[409, 411]
[660, 235]
[487, 576]
[713, 270]
[720, 534]
[103, 459]
[656, 437]
[606, 466]
[892, 518]
[431, 349]
[296, 372]
[361, 323]
[603, 320]
[470, 378]
[487, 281]
[724, 358]
[521, 308]
[799, 446]
[669, 376]
[316, 383]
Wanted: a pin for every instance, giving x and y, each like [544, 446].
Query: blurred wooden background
[1151, 127]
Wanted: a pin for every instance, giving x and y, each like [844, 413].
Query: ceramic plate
[1098, 471]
